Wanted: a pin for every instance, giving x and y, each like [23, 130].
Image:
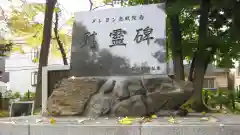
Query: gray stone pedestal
[192, 125]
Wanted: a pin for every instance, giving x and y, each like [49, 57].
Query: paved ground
[192, 125]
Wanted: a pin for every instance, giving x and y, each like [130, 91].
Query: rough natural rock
[118, 96]
[120, 90]
[156, 101]
[170, 101]
[99, 105]
[173, 99]
[107, 86]
[71, 96]
[134, 106]
[157, 84]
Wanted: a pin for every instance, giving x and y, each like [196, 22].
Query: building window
[34, 78]
[208, 83]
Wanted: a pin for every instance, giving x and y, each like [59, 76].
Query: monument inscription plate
[119, 42]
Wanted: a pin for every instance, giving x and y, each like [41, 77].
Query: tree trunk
[43, 60]
[202, 57]
[200, 67]
[198, 77]
[203, 24]
[60, 43]
[191, 71]
[230, 80]
[176, 48]
[231, 87]
[236, 21]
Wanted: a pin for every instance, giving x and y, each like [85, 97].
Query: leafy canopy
[27, 22]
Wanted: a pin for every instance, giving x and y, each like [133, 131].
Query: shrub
[4, 113]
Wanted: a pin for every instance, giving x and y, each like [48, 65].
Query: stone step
[192, 125]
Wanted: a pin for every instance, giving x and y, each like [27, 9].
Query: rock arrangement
[70, 96]
[117, 96]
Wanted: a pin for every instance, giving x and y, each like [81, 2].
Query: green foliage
[35, 60]
[17, 96]
[5, 48]
[8, 94]
[225, 99]
[28, 96]
[222, 100]
[70, 21]
[179, 6]
[4, 114]
[57, 9]
[23, 24]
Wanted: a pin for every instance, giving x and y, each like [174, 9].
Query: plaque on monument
[21, 108]
[120, 42]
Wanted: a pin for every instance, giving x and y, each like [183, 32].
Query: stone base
[117, 96]
[191, 125]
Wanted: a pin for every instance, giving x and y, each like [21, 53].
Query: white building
[22, 69]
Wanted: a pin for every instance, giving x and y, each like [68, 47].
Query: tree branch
[60, 44]
[3, 13]
[176, 47]
[93, 8]
[202, 43]
[91, 5]
[108, 4]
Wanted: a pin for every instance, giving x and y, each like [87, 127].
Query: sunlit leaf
[35, 60]
[70, 21]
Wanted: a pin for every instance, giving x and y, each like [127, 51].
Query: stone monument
[118, 66]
